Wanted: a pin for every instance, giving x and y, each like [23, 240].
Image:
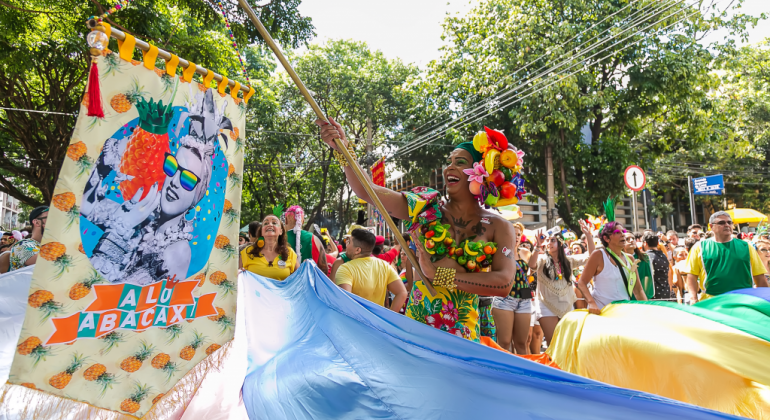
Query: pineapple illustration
[201, 277]
[98, 373]
[234, 178]
[223, 243]
[62, 379]
[32, 346]
[133, 363]
[56, 253]
[43, 300]
[112, 64]
[202, 87]
[29, 385]
[112, 339]
[146, 150]
[122, 102]
[219, 278]
[173, 331]
[225, 322]
[163, 362]
[229, 213]
[132, 403]
[212, 348]
[80, 290]
[234, 133]
[157, 398]
[188, 352]
[77, 152]
[168, 81]
[66, 203]
[80, 248]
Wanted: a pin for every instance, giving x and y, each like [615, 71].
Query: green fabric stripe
[745, 313]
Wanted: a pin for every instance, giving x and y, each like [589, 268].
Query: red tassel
[94, 93]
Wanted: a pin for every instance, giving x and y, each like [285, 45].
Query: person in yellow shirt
[271, 256]
[723, 263]
[369, 277]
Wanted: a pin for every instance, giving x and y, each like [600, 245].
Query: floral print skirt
[455, 312]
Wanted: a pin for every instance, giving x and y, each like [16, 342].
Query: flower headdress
[495, 180]
[299, 214]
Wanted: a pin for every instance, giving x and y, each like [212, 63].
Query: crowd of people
[480, 275]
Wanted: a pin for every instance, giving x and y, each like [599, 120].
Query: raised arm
[587, 228]
[536, 252]
[394, 202]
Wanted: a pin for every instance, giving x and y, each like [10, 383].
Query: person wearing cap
[389, 256]
[369, 277]
[342, 257]
[24, 252]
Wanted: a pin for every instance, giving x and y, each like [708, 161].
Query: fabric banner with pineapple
[135, 281]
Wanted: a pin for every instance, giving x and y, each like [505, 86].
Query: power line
[35, 111]
[457, 123]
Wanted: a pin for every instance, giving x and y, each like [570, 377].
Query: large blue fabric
[317, 352]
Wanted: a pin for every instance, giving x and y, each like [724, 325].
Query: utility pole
[368, 148]
[549, 186]
[692, 200]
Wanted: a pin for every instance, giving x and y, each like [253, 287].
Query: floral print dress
[455, 312]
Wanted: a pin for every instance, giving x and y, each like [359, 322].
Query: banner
[709, 185]
[136, 277]
[378, 173]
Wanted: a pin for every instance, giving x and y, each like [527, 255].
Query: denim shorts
[516, 305]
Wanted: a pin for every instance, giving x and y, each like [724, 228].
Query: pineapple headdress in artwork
[154, 117]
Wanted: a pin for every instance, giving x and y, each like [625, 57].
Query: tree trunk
[563, 178]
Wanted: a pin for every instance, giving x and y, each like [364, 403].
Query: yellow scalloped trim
[150, 57]
[188, 73]
[234, 90]
[248, 95]
[222, 86]
[126, 47]
[207, 80]
[171, 65]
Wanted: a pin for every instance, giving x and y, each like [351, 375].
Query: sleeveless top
[609, 285]
[306, 244]
[727, 265]
[455, 312]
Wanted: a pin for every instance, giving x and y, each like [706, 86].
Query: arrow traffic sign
[635, 178]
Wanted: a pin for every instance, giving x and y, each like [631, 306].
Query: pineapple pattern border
[116, 371]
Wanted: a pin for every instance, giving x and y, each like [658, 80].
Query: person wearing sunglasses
[147, 237]
[722, 264]
[614, 272]
[763, 249]
[24, 251]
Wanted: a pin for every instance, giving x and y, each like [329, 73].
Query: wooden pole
[120, 36]
[365, 181]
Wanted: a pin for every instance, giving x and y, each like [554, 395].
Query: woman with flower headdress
[464, 249]
[614, 272]
[270, 256]
[304, 243]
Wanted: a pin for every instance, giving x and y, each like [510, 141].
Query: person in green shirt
[722, 263]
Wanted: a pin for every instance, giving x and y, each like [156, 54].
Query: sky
[411, 29]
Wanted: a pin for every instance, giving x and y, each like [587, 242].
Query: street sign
[709, 185]
[635, 178]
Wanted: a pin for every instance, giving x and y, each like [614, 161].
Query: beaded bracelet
[445, 277]
[343, 162]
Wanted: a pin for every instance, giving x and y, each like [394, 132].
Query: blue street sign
[709, 185]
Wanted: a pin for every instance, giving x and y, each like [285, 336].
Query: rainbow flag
[713, 354]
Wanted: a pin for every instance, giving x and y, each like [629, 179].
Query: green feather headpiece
[609, 209]
[278, 210]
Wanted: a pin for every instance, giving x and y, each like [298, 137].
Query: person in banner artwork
[147, 238]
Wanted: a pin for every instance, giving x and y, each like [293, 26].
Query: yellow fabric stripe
[188, 73]
[222, 86]
[248, 95]
[150, 57]
[171, 65]
[207, 80]
[670, 353]
[126, 47]
[107, 29]
[234, 91]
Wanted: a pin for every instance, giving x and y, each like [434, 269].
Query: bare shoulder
[495, 220]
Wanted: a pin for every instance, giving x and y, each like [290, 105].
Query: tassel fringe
[24, 403]
[94, 93]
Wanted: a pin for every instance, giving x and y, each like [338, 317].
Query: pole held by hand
[365, 181]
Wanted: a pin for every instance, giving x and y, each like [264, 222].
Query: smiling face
[176, 200]
[271, 227]
[576, 249]
[456, 180]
